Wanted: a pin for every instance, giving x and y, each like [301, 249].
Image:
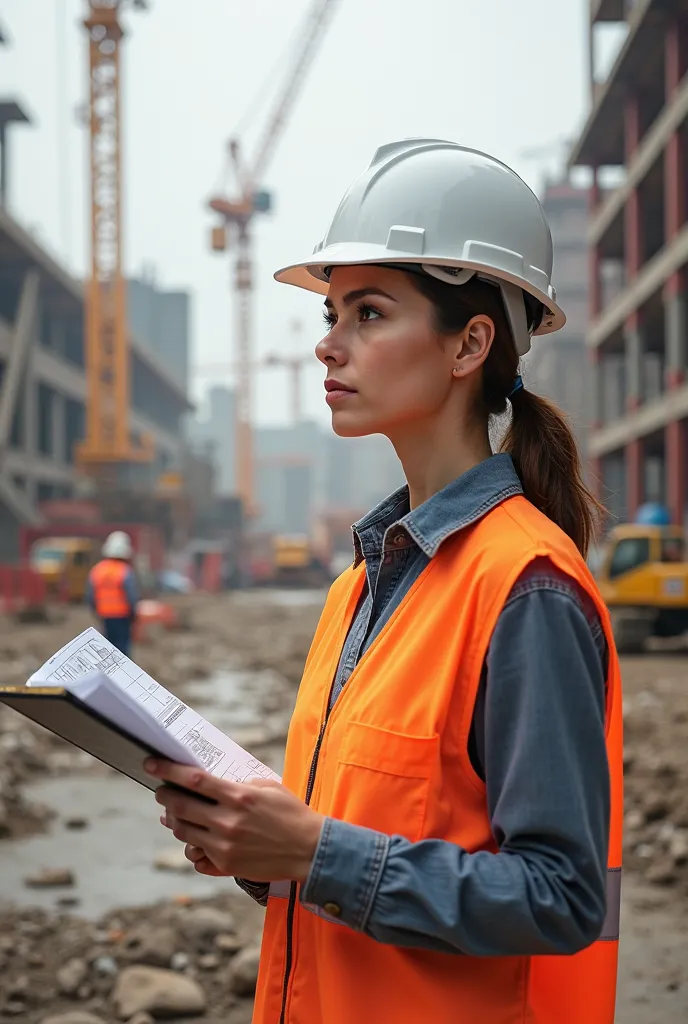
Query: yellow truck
[296, 562]
[64, 563]
[642, 574]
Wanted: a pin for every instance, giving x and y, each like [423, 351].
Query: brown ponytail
[538, 438]
[546, 458]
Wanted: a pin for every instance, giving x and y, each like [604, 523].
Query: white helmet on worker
[455, 213]
[118, 545]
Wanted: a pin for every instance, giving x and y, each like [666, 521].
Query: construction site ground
[100, 919]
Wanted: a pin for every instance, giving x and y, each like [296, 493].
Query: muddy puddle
[113, 857]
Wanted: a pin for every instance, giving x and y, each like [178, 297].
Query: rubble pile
[656, 773]
[169, 961]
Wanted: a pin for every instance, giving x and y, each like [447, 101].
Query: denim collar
[392, 525]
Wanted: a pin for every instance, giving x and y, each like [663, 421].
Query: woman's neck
[432, 457]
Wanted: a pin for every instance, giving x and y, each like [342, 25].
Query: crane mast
[107, 438]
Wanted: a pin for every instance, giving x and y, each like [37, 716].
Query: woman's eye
[329, 318]
[368, 313]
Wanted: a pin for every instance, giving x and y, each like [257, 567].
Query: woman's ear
[474, 344]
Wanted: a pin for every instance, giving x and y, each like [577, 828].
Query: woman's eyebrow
[360, 293]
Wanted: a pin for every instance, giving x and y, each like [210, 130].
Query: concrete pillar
[634, 477]
[31, 412]
[59, 427]
[596, 388]
[676, 456]
[633, 247]
[595, 284]
[594, 481]
[633, 338]
[676, 330]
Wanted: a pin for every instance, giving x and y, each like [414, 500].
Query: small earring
[456, 371]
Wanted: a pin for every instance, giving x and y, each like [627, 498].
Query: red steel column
[633, 261]
[595, 355]
[674, 290]
[675, 453]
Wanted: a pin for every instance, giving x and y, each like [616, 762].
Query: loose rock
[76, 824]
[228, 943]
[209, 962]
[73, 1017]
[204, 923]
[158, 992]
[50, 878]
[72, 975]
[173, 860]
[153, 946]
[244, 974]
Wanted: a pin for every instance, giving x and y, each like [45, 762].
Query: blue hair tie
[518, 386]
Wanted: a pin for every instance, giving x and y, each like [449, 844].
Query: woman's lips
[337, 392]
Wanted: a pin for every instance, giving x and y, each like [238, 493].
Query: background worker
[113, 592]
[453, 772]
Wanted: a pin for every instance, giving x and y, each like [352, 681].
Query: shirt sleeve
[548, 800]
[131, 590]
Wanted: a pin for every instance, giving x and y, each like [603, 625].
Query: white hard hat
[454, 211]
[118, 545]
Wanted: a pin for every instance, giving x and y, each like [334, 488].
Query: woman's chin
[348, 425]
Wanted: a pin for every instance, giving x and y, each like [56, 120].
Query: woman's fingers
[202, 864]
[189, 833]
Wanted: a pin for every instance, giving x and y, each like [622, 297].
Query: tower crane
[108, 440]
[295, 363]
[236, 215]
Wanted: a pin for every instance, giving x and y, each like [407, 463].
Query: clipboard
[63, 714]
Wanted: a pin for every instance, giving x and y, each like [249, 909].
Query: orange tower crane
[108, 439]
[236, 215]
[295, 364]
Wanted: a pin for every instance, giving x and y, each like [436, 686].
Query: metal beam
[22, 339]
[636, 18]
[651, 279]
[648, 419]
[649, 151]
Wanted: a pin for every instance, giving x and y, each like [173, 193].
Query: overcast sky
[505, 76]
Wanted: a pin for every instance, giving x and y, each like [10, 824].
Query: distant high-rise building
[161, 320]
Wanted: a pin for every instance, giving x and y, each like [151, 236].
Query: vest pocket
[382, 779]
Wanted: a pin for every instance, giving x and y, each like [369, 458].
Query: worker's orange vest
[394, 757]
[107, 580]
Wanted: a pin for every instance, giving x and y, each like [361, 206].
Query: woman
[454, 758]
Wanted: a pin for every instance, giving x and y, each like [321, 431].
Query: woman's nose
[328, 350]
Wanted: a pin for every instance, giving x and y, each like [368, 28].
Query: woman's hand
[254, 830]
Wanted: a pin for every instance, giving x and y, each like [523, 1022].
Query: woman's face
[383, 348]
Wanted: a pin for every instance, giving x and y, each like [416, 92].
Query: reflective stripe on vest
[109, 594]
[394, 757]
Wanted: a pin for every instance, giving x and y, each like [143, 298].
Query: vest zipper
[293, 888]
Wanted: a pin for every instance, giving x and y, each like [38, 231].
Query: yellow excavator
[297, 563]
[642, 573]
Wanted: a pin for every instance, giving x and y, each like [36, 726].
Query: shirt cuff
[346, 871]
[258, 891]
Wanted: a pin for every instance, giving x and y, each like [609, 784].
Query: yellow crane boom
[108, 439]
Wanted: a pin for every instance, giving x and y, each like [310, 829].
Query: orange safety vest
[393, 756]
[107, 579]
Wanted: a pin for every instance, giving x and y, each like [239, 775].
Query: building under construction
[43, 387]
[636, 139]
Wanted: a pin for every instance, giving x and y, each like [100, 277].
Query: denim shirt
[537, 739]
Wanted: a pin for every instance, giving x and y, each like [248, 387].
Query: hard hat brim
[310, 274]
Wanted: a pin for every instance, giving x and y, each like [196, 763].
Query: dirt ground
[58, 960]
